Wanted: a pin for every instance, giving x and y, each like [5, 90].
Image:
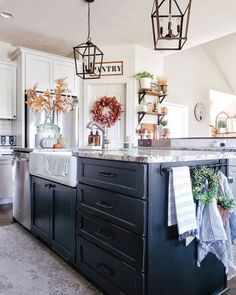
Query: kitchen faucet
[105, 140]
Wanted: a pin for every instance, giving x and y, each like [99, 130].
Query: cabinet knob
[52, 185]
[47, 185]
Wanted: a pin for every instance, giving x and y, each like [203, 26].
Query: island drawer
[115, 276]
[121, 177]
[120, 242]
[119, 209]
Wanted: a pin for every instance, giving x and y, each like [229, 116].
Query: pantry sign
[111, 68]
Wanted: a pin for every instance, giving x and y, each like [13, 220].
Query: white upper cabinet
[66, 69]
[44, 70]
[39, 69]
[7, 90]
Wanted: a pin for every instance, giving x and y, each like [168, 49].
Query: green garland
[201, 176]
[226, 202]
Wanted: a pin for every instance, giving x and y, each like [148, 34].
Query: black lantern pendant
[90, 54]
[170, 19]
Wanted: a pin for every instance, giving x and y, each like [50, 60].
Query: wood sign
[112, 68]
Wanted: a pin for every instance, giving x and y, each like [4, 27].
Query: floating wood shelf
[161, 97]
[142, 93]
[159, 116]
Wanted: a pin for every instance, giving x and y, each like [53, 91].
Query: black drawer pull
[52, 186]
[105, 269]
[106, 174]
[104, 205]
[47, 185]
[103, 235]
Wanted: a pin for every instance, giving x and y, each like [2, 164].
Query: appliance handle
[21, 159]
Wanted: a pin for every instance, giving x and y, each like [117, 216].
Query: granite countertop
[27, 149]
[148, 155]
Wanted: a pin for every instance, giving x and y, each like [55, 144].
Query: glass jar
[47, 133]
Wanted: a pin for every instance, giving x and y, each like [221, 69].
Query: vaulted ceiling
[58, 25]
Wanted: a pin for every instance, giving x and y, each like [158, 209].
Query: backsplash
[5, 127]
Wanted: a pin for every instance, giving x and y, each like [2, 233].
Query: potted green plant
[144, 78]
[164, 123]
[221, 126]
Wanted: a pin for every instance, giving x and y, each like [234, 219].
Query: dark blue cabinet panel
[63, 221]
[125, 211]
[41, 208]
[124, 244]
[121, 177]
[53, 216]
[112, 274]
[120, 242]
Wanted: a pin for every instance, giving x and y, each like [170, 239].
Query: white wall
[6, 50]
[135, 58]
[221, 102]
[191, 75]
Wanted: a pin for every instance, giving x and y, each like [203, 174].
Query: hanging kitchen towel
[212, 237]
[227, 192]
[181, 207]
[230, 227]
[56, 165]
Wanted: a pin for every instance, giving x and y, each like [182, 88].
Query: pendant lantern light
[170, 20]
[90, 55]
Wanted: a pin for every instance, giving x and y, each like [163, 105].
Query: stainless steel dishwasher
[21, 188]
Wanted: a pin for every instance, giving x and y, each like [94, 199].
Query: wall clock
[200, 111]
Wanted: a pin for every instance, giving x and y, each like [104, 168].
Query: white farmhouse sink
[57, 166]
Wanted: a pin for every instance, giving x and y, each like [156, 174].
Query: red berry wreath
[106, 111]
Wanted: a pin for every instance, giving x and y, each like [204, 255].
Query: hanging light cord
[89, 38]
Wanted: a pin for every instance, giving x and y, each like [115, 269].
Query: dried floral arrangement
[162, 80]
[61, 100]
[106, 111]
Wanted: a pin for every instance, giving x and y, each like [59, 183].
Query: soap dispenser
[91, 138]
[97, 138]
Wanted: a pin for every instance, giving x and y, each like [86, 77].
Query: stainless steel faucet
[104, 130]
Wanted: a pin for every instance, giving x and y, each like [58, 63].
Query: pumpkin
[57, 146]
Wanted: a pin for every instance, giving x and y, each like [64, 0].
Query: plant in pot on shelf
[144, 78]
[165, 131]
[221, 126]
[162, 84]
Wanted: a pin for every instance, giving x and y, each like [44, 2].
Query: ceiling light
[5, 14]
[170, 20]
[92, 56]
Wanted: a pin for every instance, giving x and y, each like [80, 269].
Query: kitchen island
[123, 243]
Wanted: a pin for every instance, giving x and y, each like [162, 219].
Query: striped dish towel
[181, 207]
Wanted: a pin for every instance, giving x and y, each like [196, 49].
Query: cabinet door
[39, 69]
[66, 69]
[7, 91]
[41, 207]
[63, 221]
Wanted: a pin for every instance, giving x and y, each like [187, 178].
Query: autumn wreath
[107, 110]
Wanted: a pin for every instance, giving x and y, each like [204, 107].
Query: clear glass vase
[47, 132]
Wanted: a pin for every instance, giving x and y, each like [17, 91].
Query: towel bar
[164, 168]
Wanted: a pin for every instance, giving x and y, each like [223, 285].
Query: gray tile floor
[6, 219]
